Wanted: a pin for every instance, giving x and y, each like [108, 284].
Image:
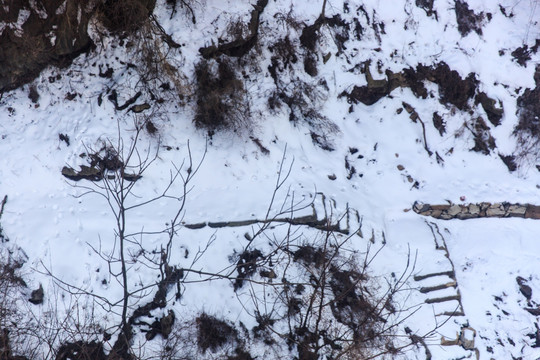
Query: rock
[484, 206]
[36, 297]
[268, 274]
[25, 52]
[467, 19]
[440, 207]
[474, 209]
[509, 161]
[419, 207]
[494, 113]
[466, 215]
[139, 108]
[86, 172]
[327, 57]
[427, 5]
[454, 210]
[195, 226]
[533, 311]
[166, 323]
[131, 177]
[495, 210]
[532, 212]
[467, 337]
[439, 123]
[524, 288]
[516, 210]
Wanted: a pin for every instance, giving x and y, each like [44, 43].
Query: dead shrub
[303, 101]
[221, 97]
[80, 350]
[283, 57]
[246, 266]
[124, 16]
[157, 66]
[213, 333]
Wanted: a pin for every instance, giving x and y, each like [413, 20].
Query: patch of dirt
[439, 123]
[528, 104]
[452, 88]
[467, 20]
[493, 112]
[523, 54]
[240, 46]
[427, 5]
[509, 161]
[483, 141]
[246, 266]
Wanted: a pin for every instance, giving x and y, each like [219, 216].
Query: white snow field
[368, 163]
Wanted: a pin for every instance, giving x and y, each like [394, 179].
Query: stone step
[448, 273]
[428, 289]
[443, 299]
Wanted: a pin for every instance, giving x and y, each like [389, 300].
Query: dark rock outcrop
[40, 33]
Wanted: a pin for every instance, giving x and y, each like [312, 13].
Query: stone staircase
[441, 291]
[321, 213]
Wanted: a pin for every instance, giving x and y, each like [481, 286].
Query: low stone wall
[478, 210]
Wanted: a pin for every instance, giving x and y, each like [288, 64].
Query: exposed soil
[529, 110]
[427, 5]
[523, 54]
[452, 88]
[240, 46]
[467, 20]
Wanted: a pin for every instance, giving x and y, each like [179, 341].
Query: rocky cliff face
[35, 34]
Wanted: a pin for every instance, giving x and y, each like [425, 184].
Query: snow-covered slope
[368, 162]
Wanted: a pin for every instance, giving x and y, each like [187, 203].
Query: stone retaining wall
[478, 210]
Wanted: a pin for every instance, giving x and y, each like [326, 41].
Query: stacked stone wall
[478, 210]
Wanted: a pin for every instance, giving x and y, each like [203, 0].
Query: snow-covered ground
[58, 224]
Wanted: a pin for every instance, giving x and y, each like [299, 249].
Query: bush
[221, 97]
[213, 333]
[125, 15]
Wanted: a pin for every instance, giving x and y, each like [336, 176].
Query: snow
[50, 219]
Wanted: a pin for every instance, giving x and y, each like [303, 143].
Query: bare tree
[118, 168]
